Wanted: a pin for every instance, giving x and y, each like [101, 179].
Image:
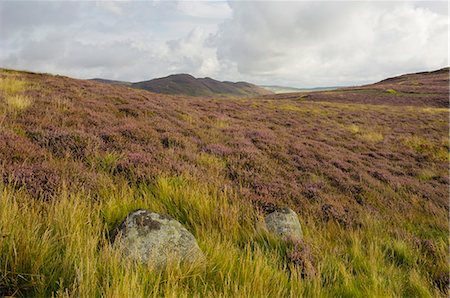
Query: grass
[211, 162]
[426, 147]
[10, 85]
[366, 134]
[372, 136]
[312, 108]
[392, 91]
[41, 255]
[105, 163]
[13, 89]
[18, 102]
[354, 128]
[427, 174]
[374, 214]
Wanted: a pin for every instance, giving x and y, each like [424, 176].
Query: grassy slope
[369, 181]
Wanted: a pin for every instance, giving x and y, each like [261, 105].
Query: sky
[298, 44]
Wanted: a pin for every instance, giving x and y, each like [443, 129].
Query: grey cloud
[332, 43]
[24, 16]
[288, 43]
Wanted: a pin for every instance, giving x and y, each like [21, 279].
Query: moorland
[365, 168]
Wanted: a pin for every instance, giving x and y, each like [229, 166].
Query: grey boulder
[284, 222]
[155, 239]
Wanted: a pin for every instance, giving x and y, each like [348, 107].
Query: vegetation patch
[427, 148]
[212, 162]
[372, 136]
[374, 216]
[427, 174]
[12, 90]
[18, 102]
[365, 134]
[353, 128]
[392, 91]
[11, 85]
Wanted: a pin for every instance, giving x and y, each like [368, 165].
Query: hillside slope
[185, 84]
[417, 89]
[112, 82]
[367, 174]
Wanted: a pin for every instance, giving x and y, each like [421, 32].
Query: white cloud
[287, 43]
[325, 43]
[203, 9]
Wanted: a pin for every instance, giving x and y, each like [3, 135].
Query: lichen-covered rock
[284, 222]
[152, 238]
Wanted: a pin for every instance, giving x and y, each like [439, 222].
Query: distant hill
[428, 88]
[283, 89]
[186, 84]
[113, 82]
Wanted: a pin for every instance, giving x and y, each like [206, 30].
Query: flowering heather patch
[300, 254]
[356, 162]
[269, 150]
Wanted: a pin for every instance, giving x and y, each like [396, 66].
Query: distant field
[365, 168]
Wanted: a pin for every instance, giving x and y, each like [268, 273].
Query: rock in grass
[284, 222]
[152, 238]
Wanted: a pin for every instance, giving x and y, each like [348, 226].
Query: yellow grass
[436, 150]
[10, 85]
[365, 133]
[372, 136]
[61, 248]
[353, 128]
[18, 102]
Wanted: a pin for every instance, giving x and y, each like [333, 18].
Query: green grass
[61, 247]
[105, 163]
[427, 147]
[391, 91]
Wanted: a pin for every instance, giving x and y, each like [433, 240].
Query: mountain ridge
[186, 84]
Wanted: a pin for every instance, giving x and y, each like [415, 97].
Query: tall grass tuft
[12, 90]
[10, 85]
[61, 247]
[18, 102]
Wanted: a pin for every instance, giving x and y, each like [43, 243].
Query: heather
[366, 171]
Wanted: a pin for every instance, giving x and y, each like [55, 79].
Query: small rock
[154, 238]
[284, 222]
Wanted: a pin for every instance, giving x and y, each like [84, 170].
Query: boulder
[284, 222]
[152, 238]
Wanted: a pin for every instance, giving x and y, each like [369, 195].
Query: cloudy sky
[302, 44]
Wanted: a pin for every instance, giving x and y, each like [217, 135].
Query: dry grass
[366, 134]
[12, 90]
[427, 147]
[354, 128]
[11, 85]
[61, 247]
[18, 102]
[372, 136]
